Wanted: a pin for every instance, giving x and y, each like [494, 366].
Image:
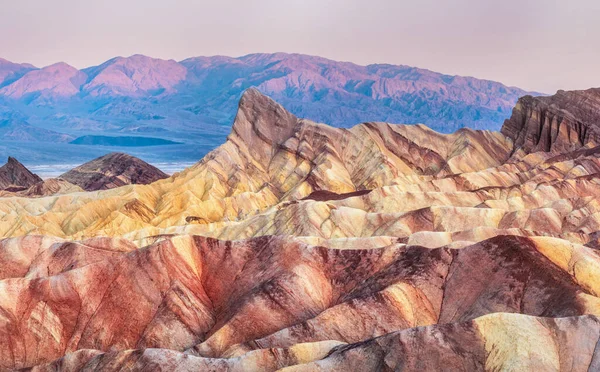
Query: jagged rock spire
[261, 123]
[13, 173]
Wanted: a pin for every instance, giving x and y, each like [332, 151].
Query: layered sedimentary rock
[14, 176]
[113, 170]
[217, 299]
[48, 187]
[492, 342]
[270, 157]
[380, 247]
[51, 186]
[563, 122]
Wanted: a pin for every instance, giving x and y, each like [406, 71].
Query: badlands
[297, 246]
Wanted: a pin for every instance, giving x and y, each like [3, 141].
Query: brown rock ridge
[113, 170]
[559, 123]
[14, 176]
[17, 180]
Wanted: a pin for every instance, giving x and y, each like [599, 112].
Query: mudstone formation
[14, 176]
[113, 170]
[297, 246]
[106, 172]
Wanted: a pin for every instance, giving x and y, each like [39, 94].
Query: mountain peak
[261, 121]
[10, 71]
[113, 170]
[135, 75]
[4, 61]
[15, 174]
[60, 66]
[57, 80]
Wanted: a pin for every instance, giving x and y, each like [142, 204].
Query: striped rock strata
[217, 299]
[381, 247]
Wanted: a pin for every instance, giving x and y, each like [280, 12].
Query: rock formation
[113, 170]
[563, 122]
[48, 187]
[492, 342]
[270, 157]
[300, 247]
[217, 299]
[14, 176]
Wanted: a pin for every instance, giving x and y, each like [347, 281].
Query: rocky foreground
[299, 246]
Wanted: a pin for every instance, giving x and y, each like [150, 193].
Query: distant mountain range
[193, 102]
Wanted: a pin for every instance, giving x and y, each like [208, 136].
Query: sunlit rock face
[270, 157]
[300, 247]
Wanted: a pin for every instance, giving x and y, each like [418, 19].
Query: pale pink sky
[541, 45]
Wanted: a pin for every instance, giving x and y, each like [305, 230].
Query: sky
[538, 45]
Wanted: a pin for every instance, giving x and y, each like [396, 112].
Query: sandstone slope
[492, 342]
[270, 157]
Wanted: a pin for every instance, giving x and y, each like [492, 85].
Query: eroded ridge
[299, 246]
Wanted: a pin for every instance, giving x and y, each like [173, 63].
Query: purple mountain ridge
[57, 80]
[134, 76]
[10, 72]
[194, 100]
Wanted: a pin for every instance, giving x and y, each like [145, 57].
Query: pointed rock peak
[252, 97]
[261, 119]
[116, 155]
[13, 173]
[14, 164]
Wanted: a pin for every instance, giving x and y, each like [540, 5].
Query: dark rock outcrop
[113, 170]
[559, 123]
[15, 177]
